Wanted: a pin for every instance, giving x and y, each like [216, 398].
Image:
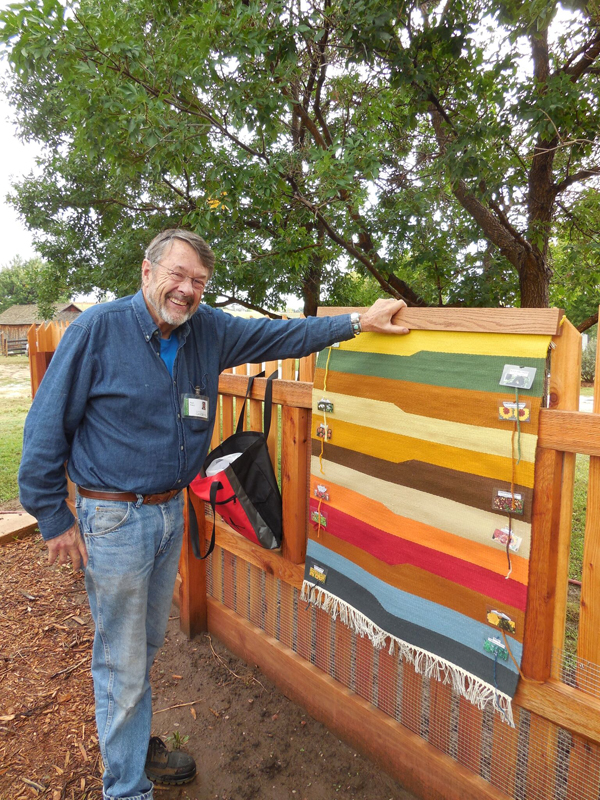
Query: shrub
[588, 362]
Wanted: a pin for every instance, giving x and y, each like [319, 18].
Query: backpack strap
[193, 522]
[268, 402]
[240, 425]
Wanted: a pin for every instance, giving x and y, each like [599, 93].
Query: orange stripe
[440, 402]
[373, 513]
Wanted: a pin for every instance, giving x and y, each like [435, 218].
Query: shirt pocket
[106, 517]
[198, 425]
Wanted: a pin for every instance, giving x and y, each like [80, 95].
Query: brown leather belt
[129, 497]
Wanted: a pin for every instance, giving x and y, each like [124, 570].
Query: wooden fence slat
[538, 636]
[584, 767]
[323, 639]
[541, 761]
[505, 746]
[294, 435]
[306, 368]
[192, 589]
[588, 645]
[564, 390]
[256, 407]
[470, 721]
[288, 369]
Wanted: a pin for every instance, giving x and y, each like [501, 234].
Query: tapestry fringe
[472, 688]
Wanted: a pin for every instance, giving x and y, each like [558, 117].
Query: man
[111, 406]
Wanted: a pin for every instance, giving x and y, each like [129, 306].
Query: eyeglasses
[180, 277]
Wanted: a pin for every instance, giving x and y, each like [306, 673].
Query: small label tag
[195, 406]
[501, 621]
[496, 648]
[325, 405]
[519, 377]
[321, 492]
[317, 573]
[507, 502]
[502, 535]
[324, 431]
[314, 517]
[507, 411]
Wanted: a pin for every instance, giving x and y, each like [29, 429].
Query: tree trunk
[311, 286]
[534, 282]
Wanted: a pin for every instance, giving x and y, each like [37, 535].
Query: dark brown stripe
[472, 490]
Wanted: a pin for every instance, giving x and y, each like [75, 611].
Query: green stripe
[454, 370]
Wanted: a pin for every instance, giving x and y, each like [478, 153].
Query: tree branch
[591, 52]
[588, 323]
[577, 177]
[247, 304]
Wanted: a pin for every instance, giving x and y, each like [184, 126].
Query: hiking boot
[172, 767]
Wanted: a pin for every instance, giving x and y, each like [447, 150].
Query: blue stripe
[425, 613]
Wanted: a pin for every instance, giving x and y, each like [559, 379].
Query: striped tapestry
[421, 497]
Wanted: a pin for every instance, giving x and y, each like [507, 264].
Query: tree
[403, 140]
[22, 282]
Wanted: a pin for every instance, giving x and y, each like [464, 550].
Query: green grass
[13, 410]
[582, 466]
[12, 419]
[587, 391]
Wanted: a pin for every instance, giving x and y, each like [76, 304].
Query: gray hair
[158, 245]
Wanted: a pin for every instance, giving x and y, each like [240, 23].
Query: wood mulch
[48, 745]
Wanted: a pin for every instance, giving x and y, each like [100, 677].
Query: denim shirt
[110, 410]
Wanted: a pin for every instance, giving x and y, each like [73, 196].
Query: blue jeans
[133, 552]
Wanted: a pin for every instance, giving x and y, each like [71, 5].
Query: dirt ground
[248, 740]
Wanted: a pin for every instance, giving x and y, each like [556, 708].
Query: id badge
[195, 406]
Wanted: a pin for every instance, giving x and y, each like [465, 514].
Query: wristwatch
[355, 322]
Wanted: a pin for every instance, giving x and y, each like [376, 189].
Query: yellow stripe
[388, 417]
[396, 448]
[448, 515]
[481, 344]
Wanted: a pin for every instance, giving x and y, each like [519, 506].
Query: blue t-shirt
[168, 351]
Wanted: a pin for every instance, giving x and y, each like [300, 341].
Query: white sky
[16, 160]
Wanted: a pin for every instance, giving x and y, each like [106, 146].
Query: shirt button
[178, 416]
[182, 447]
[179, 481]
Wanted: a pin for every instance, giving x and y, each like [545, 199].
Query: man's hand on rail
[378, 318]
[69, 545]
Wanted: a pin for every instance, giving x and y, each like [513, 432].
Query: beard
[170, 316]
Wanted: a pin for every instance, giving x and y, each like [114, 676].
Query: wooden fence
[435, 743]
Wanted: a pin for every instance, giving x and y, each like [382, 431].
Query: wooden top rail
[296, 394]
[483, 320]
[569, 431]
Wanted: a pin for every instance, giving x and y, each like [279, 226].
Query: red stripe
[394, 550]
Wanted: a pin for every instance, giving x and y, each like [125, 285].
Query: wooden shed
[16, 321]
